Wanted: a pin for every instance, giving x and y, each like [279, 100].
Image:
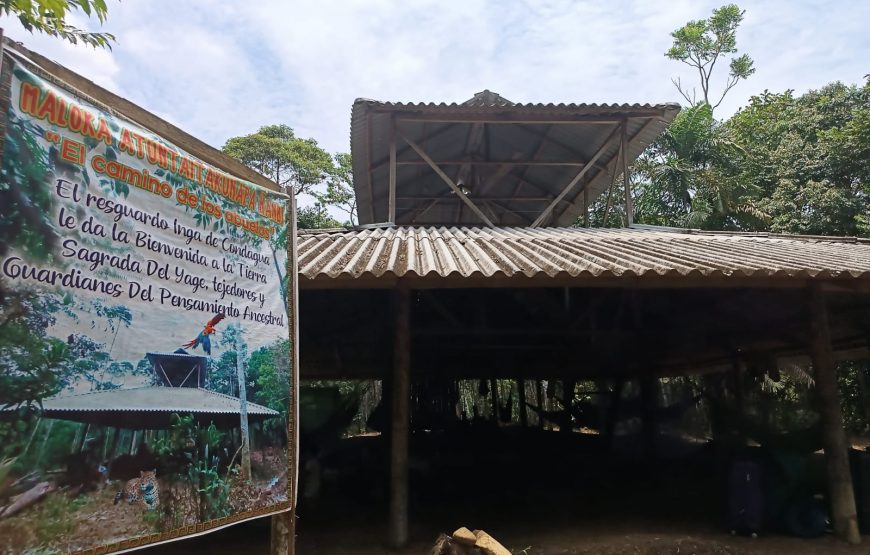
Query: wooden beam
[370, 167]
[398, 527]
[842, 495]
[496, 199]
[462, 196]
[524, 416]
[629, 208]
[508, 118]
[547, 139]
[631, 139]
[547, 211]
[283, 534]
[585, 206]
[471, 162]
[392, 207]
[405, 149]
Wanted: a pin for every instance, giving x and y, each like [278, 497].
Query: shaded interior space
[567, 414]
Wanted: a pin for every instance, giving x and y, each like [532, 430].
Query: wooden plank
[842, 495]
[567, 189]
[398, 524]
[392, 207]
[462, 196]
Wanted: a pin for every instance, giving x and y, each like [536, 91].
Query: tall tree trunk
[243, 410]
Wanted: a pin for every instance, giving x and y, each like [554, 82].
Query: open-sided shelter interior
[457, 274]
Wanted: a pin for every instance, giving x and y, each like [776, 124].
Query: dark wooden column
[283, 533]
[836, 446]
[524, 419]
[401, 386]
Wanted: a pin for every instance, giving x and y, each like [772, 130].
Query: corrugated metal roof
[147, 407]
[152, 399]
[507, 191]
[466, 252]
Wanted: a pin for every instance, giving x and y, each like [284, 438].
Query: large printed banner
[144, 337]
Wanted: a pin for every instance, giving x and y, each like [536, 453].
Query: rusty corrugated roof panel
[465, 252]
[509, 196]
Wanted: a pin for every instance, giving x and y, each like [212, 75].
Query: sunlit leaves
[49, 17]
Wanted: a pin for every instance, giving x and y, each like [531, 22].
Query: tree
[700, 44]
[688, 177]
[296, 165]
[807, 158]
[339, 188]
[233, 335]
[315, 217]
[49, 17]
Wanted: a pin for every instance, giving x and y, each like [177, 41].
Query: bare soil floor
[543, 494]
[634, 539]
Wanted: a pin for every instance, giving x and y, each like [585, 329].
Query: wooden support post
[493, 395]
[586, 206]
[739, 397]
[283, 533]
[649, 398]
[398, 532]
[629, 206]
[568, 387]
[524, 417]
[539, 391]
[570, 186]
[456, 190]
[834, 439]
[392, 207]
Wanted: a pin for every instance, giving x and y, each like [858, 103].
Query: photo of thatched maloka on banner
[144, 343]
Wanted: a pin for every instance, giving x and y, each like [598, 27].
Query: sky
[221, 68]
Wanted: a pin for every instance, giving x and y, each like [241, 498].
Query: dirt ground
[253, 539]
[555, 496]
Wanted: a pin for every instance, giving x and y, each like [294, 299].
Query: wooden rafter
[567, 189]
[614, 162]
[444, 177]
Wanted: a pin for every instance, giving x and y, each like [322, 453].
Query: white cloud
[221, 69]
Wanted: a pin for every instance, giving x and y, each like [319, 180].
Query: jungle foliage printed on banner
[144, 347]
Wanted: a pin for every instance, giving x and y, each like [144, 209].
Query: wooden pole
[392, 202]
[282, 534]
[524, 417]
[539, 394]
[398, 531]
[586, 206]
[493, 396]
[865, 393]
[842, 494]
[629, 206]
